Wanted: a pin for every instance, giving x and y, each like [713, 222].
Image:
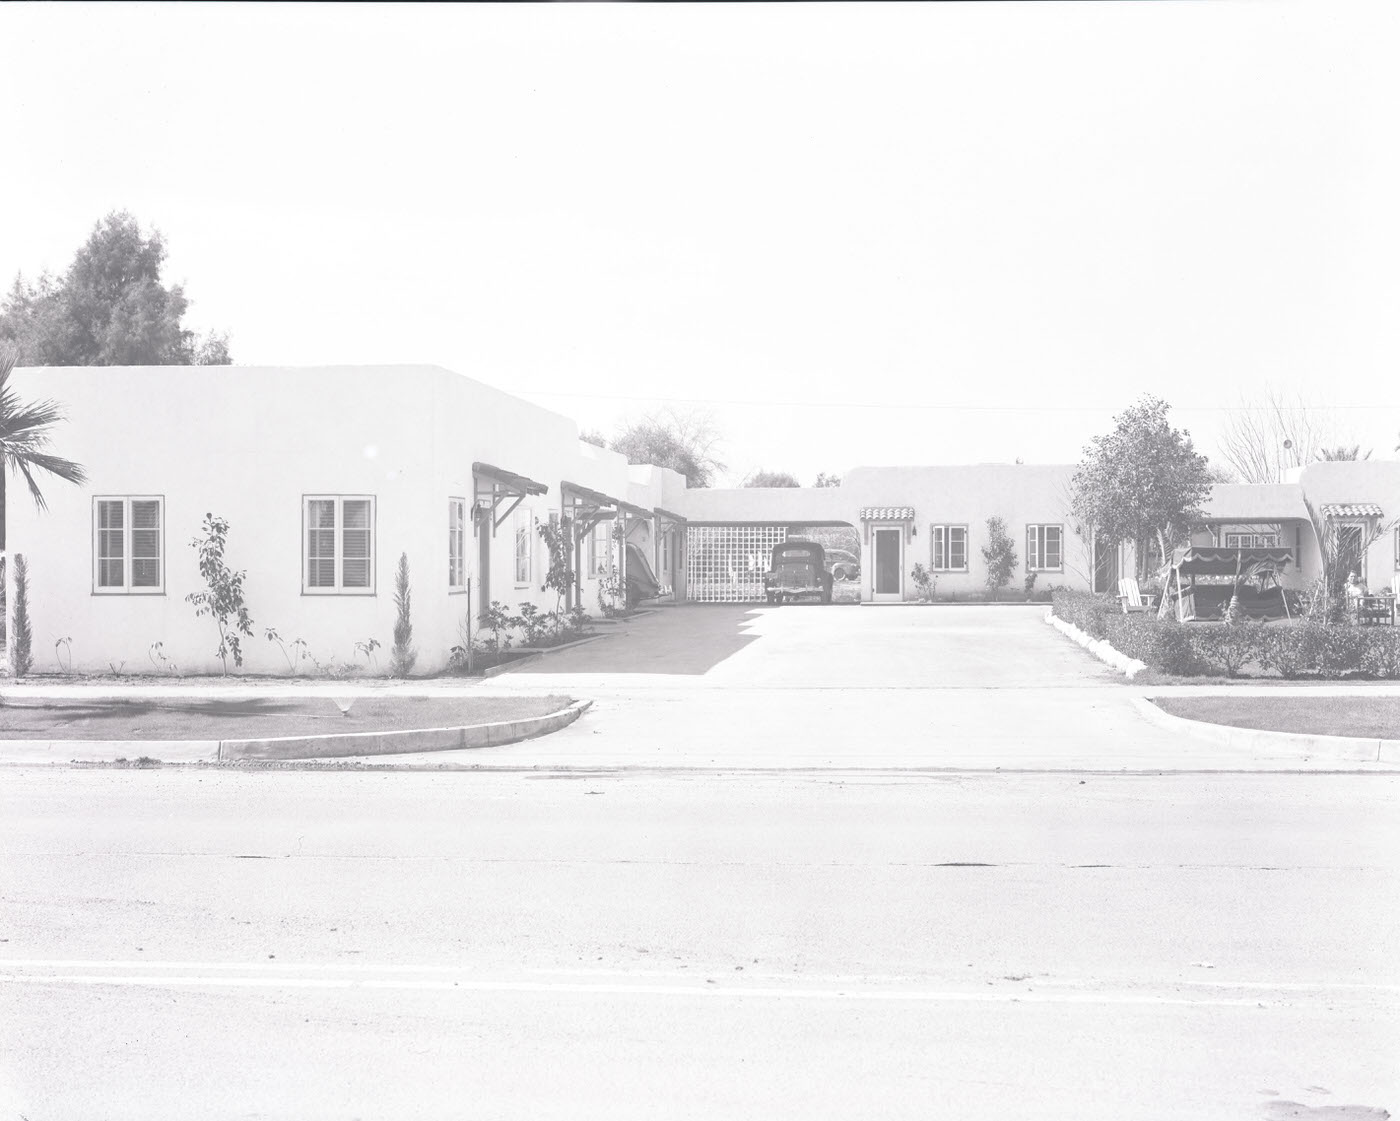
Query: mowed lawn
[256, 718]
[1365, 717]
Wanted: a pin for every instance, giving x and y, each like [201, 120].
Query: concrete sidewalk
[792, 688]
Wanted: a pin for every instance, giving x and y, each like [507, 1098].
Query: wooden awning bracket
[494, 486]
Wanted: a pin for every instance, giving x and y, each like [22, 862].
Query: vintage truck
[797, 570]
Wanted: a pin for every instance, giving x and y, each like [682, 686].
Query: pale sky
[856, 235]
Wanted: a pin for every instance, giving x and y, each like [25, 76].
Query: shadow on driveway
[689, 640]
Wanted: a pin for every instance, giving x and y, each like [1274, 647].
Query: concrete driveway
[898, 688]
[810, 646]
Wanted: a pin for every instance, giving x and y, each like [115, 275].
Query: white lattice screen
[726, 563]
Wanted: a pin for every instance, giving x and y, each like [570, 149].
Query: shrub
[1085, 610]
[1337, 650]
[535, 625]
[1163, 644]
[1225, 647]
[402, 656]
[1381, 655]
[21, 638]
[1292, 650]
[925, 582]
[499, 621]
[1281, 648]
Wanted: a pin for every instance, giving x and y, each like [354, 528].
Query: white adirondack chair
[1132, 598]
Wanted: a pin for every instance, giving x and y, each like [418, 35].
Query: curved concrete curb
[1349, 749]
[404, 742]
[26, 752]
[1102, 650]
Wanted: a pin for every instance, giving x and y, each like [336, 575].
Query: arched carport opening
[725, 561]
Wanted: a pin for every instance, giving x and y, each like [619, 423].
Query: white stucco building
[326, 476]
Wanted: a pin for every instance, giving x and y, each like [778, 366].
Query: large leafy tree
[683, 442]
[24, 440]
[109, 309]
[1143, 480]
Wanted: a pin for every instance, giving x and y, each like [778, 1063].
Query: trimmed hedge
[1292, 650]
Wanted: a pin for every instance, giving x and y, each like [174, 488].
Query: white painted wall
[1020, 494]
[246, 444]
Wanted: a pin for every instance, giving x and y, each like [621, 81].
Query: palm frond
[35, 492]
[55, 465]
[24, 435]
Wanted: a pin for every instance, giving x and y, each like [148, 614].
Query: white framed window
[949, 548]
[128, 545]
[665, 558]
[338, 544]
[1045, 548]
[599, 548]
[524, 547]
[456, 544]
[1251, 541]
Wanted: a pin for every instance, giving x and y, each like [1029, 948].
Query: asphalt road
[198, 943]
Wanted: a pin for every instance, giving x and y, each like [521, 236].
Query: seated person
[1355, 589]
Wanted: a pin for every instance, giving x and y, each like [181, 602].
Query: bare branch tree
[1265, 438]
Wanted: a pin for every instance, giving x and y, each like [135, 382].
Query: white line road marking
[448, 978]
[839, 981]
[561, 988]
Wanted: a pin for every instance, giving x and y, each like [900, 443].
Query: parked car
[797, 570]
[842, 564]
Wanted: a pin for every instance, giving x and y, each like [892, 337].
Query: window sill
[126, 593]
[336, 594]
[456, 591]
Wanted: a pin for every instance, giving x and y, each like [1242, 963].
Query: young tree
[223, 597]
[24, 439]
[1142, 480]
[21, 635]
[682, 442]
[762, 478]
[109, 309]
[403, 656]
[999, 553]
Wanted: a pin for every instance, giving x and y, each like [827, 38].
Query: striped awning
[1350, 510]
[887, 513]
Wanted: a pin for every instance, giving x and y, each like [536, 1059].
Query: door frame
[897, 531]
[483, 565]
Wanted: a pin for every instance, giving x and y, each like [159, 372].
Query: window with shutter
[1045, 548]
[456, 544]
[950, 548]
[128, 545]
[338, 555]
